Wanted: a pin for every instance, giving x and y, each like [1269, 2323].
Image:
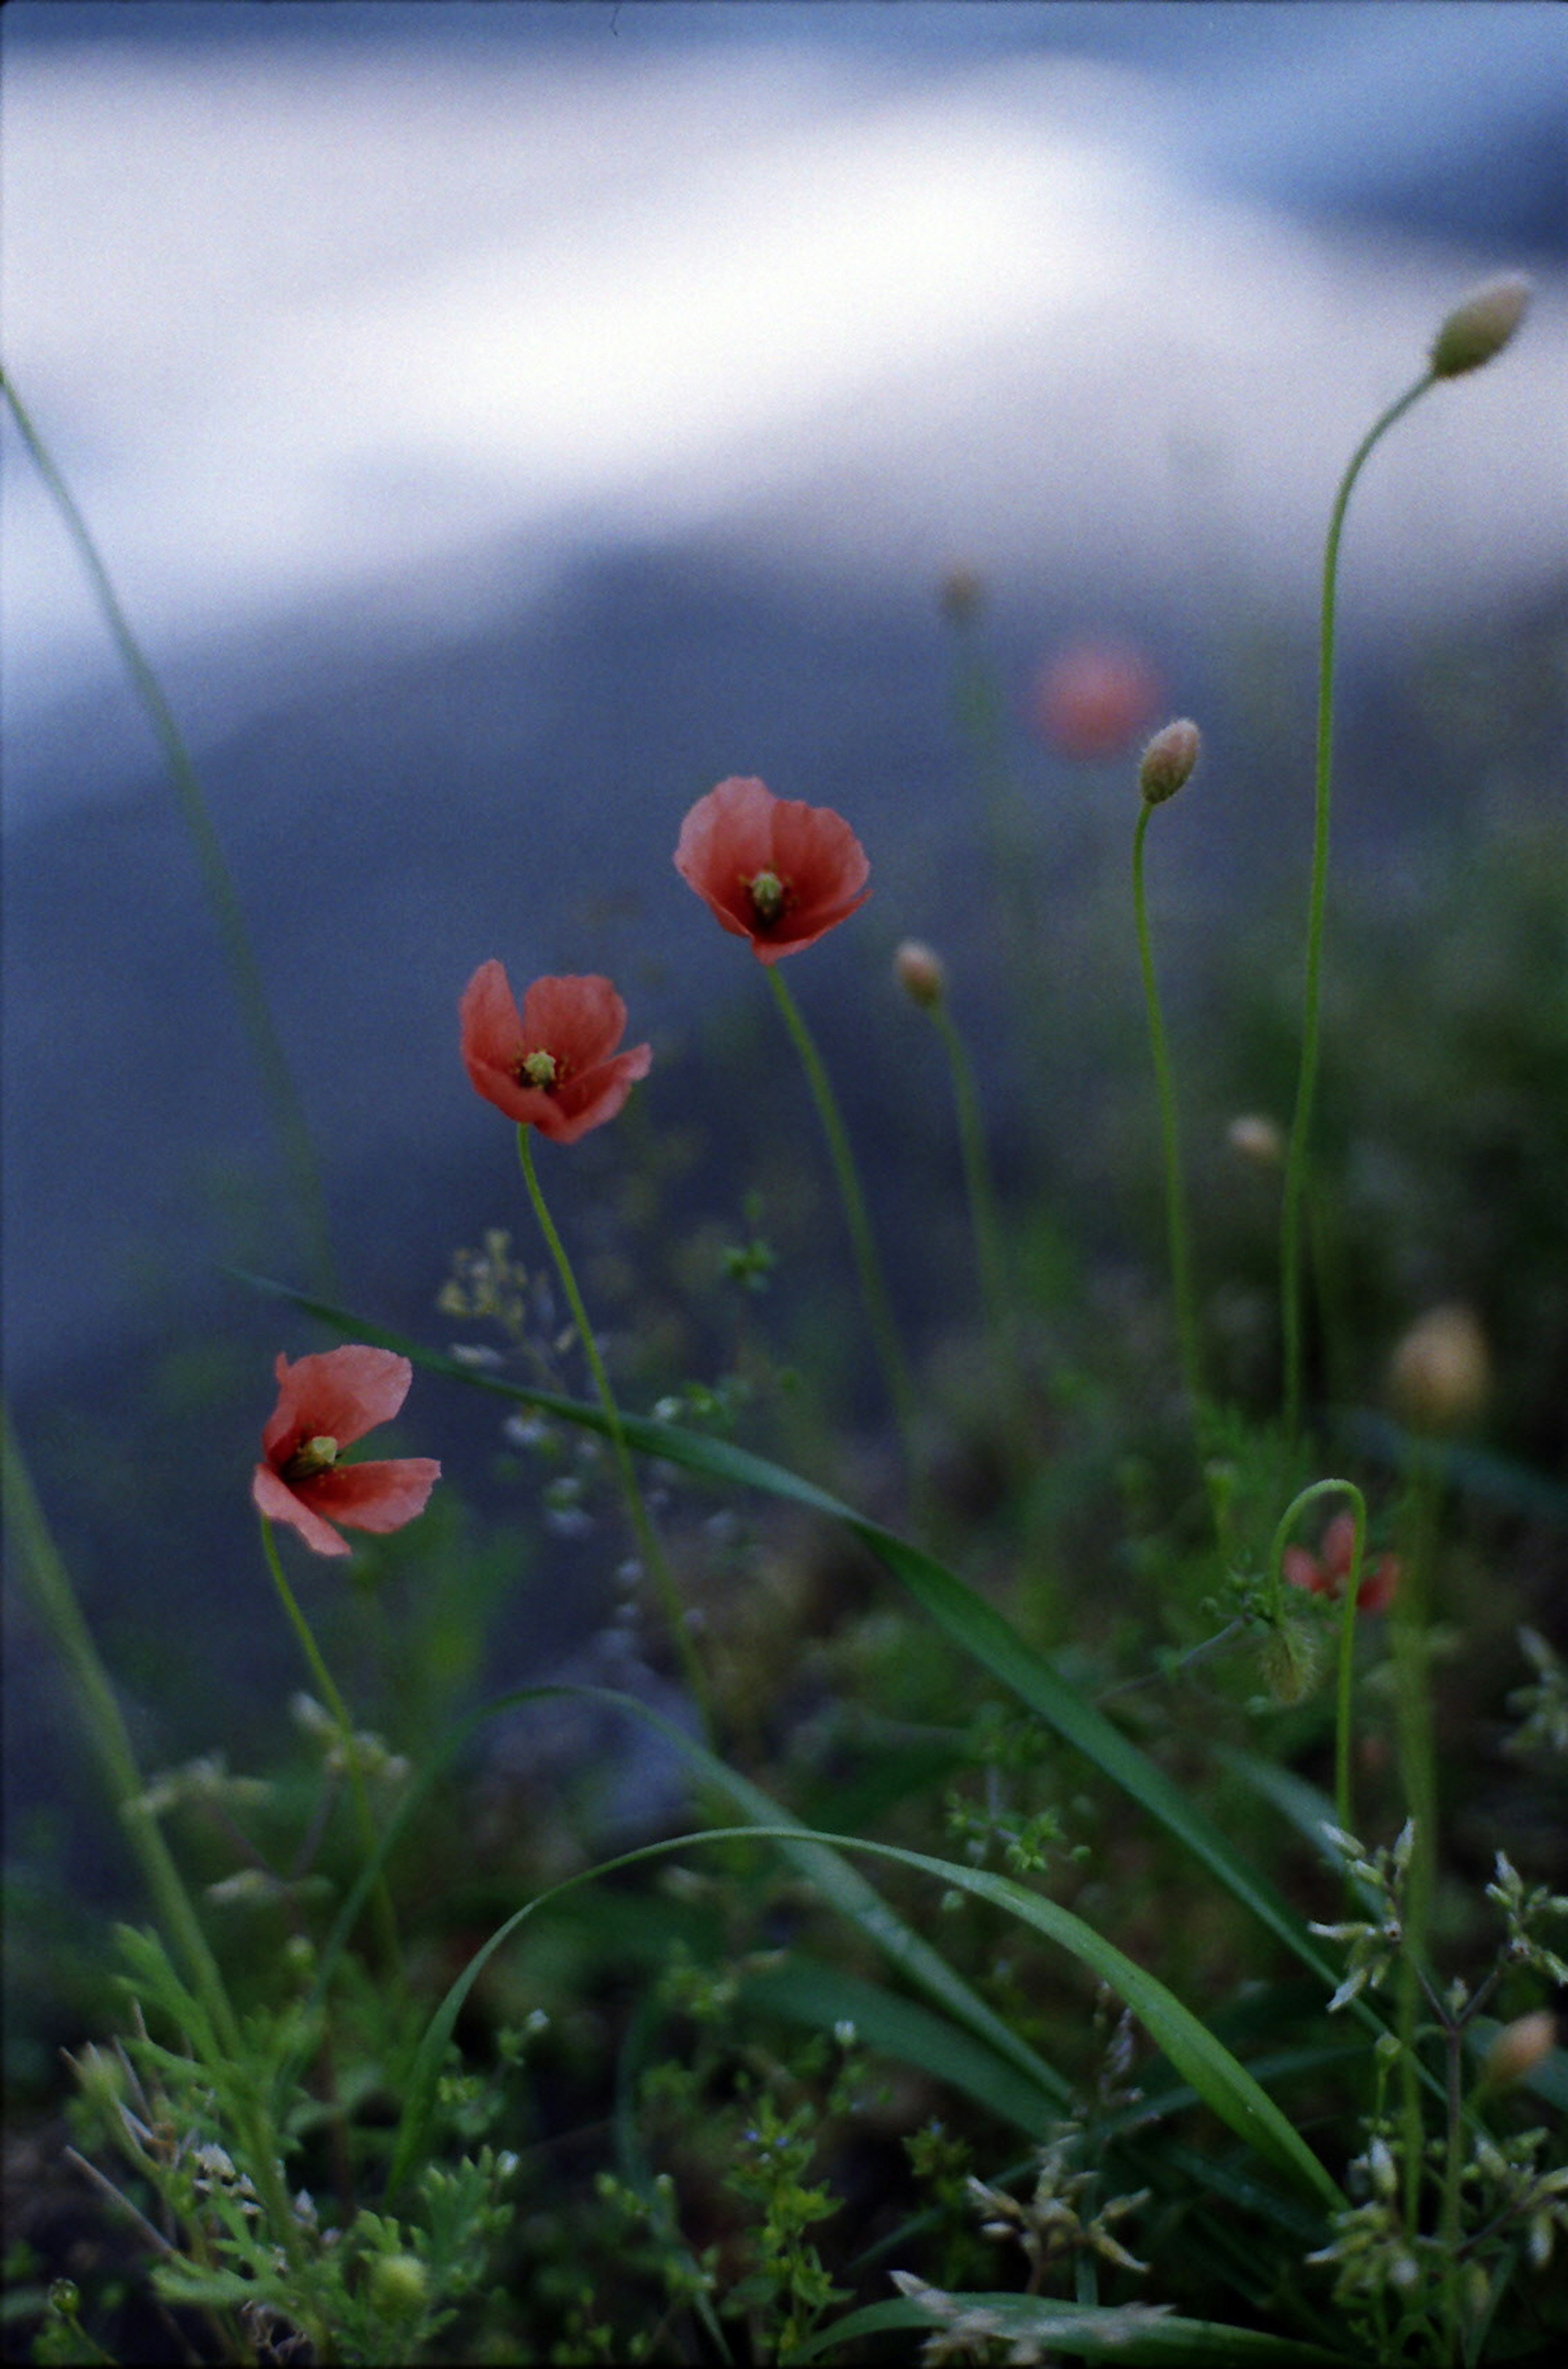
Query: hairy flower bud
[1440, 1373]
[1168, 761]
[1480, 326]
[921, 972]
[1519, 2047]
[399, 2284]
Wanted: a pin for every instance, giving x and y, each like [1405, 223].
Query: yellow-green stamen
[312, 1456]
[768, 894]
[539, 1069]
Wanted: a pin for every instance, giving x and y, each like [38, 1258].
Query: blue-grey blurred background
[503, 421]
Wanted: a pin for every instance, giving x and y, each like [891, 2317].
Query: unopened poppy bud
[1440, 1373]
[1480, 326]
[921, 972]
[1252, 1136]
[1519, 2047]
[1168, 761]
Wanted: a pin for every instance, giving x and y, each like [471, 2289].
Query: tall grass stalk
[54, 1599]
[223, 897]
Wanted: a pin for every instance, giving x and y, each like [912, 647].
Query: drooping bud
[1168, 761]
[1290, 1660]
[1256, 1139]
[1440, 1373]
[921, 972]
[1480, 326]
[1519, 2047]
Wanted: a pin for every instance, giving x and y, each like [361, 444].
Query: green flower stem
[981, 713]
[981, 1197]
[653, 1556]
[55, 1600]
[385, 1916]
[1416, 1748]
[1344, 1808]
[874, 1289]
[1300, 1128]
[1170, 1148]
[223, 897]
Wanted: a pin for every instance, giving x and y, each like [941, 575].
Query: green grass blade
[1092, 2332]
[805, 1990]
[984, 2045]
[1223, 2084]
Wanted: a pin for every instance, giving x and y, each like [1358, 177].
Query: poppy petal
[342, 1392]
[278, 1502]
[581, 1020]
[372, 1496]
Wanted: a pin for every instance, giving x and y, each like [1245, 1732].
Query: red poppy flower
[325, 1404]
[1325, 1572]
[773, 870]
[1095, 699]
[554, 1065]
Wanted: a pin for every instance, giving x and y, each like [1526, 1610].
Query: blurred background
[502, 422]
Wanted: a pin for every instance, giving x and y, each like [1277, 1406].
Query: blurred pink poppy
[773, 870]
[1095, 699]
[554, 1065]
[1325, 1572]
[325, 1404]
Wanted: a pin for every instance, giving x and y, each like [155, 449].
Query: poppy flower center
[311, 1457]
[538, 1070]
[769, 895]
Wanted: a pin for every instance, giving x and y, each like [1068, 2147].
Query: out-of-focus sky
[397, 308]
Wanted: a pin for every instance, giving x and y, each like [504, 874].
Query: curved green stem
[653, 1556]
[874, 1289]
[1344, 1812]
[386, 1920]
[1300, 1127]
[1169, 1147]
[223, 897]
[55, 1600]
